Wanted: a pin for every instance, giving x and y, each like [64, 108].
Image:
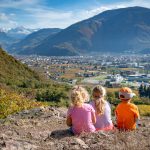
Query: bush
[144, 110]
[51, 95]
[11, 102]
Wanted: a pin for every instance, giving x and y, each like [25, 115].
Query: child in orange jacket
[127, 113]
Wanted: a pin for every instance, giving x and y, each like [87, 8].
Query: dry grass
[112, 90]
[70, 73]
[127, 69]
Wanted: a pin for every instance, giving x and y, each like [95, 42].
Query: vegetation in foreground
[16, 80]
[11, 102]
[15, 74]
[19, 86]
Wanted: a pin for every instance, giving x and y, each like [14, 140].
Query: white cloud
[6, 21]
[3, 17]
[35, 15]
[97, 10]
[19, 4]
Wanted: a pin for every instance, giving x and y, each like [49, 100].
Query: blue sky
[56, 13]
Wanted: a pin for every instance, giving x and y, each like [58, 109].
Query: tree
[148, 91]
[141, 90]
[145, 91]
[111, 97]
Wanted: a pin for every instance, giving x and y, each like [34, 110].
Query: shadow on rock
[58, 134]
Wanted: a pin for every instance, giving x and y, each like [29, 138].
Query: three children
[96, 115]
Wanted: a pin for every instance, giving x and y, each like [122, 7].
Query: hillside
[45, 129]
[14, 73]
[32, 40]
[120, 30]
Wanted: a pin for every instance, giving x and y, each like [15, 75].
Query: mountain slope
[5, 39]
[14, 73]
[126, 29]
[32, 40]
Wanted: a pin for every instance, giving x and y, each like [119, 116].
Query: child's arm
[138, 124]
[115, 124]
[69, 121]
[137, 118]
[93, 117]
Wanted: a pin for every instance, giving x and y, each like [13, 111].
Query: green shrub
[51, 95]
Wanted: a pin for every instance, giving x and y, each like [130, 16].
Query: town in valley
[107, 70]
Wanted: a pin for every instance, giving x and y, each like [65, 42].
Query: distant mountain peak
[20, 32]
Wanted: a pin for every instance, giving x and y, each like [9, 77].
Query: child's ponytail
[100, 102]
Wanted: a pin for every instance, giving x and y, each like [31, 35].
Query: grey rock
[80, 142]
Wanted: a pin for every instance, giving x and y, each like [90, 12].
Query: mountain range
[14, 35]
[20, 32]
[5, 39]
[114, 31]
[32, 40]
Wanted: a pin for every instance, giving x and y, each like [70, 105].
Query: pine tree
[141, 90]
[148, 91]
[145, 91]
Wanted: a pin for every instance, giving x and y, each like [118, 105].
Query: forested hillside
[14, 73]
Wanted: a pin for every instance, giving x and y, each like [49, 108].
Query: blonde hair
[100, 102]
[79, 95]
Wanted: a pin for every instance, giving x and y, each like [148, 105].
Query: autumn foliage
[11, 102]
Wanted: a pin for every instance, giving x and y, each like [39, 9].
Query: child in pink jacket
[81, 116]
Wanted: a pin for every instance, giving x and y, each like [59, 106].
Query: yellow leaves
[144, 110]
[2, 93]
[12, 102]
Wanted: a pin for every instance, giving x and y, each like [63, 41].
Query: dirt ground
[45, 129]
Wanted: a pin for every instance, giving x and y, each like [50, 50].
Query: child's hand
[69, 121]
[115, 125]
[139, 124]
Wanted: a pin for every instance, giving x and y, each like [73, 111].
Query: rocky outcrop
[45, 129]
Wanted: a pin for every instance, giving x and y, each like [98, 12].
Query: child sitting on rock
[102, 108]
[127, 113]
[81, 116]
